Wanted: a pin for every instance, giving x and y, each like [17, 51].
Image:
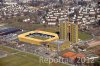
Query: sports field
[85, 36]
[16, 58]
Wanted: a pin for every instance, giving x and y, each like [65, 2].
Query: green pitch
[84, 36]
[16, 58]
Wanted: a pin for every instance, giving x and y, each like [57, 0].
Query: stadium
[38, 37]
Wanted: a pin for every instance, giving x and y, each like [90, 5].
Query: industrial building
[73, 56]
[8, 31]
[38, 37]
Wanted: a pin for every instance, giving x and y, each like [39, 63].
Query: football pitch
[17, 58]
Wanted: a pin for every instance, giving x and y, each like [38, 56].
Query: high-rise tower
[74, 33]
[63, 30]
[69, 31]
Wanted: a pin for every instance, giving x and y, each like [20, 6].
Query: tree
[97, 62]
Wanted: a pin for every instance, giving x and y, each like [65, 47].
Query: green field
[84, 36]
[38, 37]
[41, 38]
[16, 58]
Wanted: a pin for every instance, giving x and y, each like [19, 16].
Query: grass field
[39, 37]
[16, 58]
[84, 36]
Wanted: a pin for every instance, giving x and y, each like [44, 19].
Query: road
[94, 43]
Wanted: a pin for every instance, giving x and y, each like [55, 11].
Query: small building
[73, 56]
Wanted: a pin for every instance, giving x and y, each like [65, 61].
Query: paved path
[94, 43]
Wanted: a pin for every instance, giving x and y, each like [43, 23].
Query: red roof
[73, 55]
[69, 54]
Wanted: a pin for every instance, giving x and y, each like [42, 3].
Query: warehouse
[8, 31]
